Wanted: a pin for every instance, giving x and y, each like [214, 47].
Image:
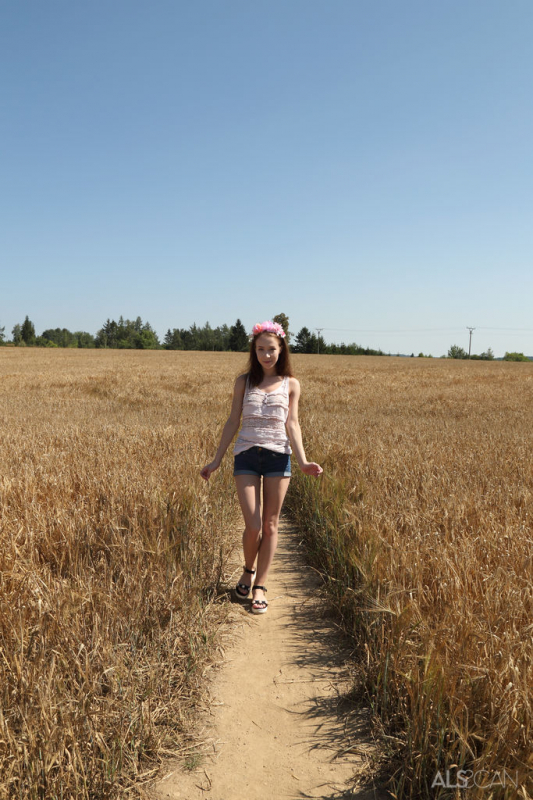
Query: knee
[253, 529]
[270, 526]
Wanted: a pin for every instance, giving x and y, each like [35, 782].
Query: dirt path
[279, 729]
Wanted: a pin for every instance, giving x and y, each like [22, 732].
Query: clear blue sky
[364, 166]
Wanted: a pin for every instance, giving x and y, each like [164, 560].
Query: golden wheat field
[423, 527]
[112, 555]
[113, 558]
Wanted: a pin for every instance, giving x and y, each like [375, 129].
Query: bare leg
[274, 491]
[249, 494]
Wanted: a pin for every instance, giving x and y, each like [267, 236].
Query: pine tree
[172, 340]
[302, 343]
[238, 340]
[27, 331]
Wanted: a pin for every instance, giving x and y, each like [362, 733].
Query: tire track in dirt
[280, 727]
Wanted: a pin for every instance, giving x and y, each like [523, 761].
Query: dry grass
[113, 552]
[112, 555]
[423, 529]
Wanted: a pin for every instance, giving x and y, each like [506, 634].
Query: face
[267, 349]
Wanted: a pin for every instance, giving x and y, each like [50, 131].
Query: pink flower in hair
[268, 327]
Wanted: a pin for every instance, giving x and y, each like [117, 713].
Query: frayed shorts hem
[258, 474]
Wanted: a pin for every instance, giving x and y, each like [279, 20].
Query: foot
[242, 590]
[259, 603]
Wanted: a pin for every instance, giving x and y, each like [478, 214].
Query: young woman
[267, 396]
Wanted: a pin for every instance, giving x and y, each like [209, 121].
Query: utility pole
[318, 339]
[470, 341]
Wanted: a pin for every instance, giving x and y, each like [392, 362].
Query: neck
[269, 373]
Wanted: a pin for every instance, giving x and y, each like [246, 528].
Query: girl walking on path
[267, 397]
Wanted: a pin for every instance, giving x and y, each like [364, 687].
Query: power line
[393, 330]
[517, 330]
[424, 330]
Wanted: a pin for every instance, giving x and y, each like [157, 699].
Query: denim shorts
[260, 461]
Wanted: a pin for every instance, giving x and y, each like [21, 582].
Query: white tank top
[264, 415]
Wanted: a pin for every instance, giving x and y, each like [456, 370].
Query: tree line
[136, 334]
[458, 352]
[129, 334]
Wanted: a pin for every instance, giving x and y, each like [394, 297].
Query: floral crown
[267, 327]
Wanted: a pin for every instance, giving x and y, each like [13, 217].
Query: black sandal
[259, 606]
[242, 590]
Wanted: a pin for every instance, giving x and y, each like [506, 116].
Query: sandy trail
[279, 727]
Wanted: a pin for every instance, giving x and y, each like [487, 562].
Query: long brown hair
[283, 364]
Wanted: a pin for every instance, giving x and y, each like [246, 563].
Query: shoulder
[240, 384]
[294, 386]
[238, 395]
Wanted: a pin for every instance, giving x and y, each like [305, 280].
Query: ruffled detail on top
[264, 415]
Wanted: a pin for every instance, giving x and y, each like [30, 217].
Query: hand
[310, 468]
[207, 470]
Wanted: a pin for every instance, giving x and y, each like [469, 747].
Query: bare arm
[294, 431]
[230, 428]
